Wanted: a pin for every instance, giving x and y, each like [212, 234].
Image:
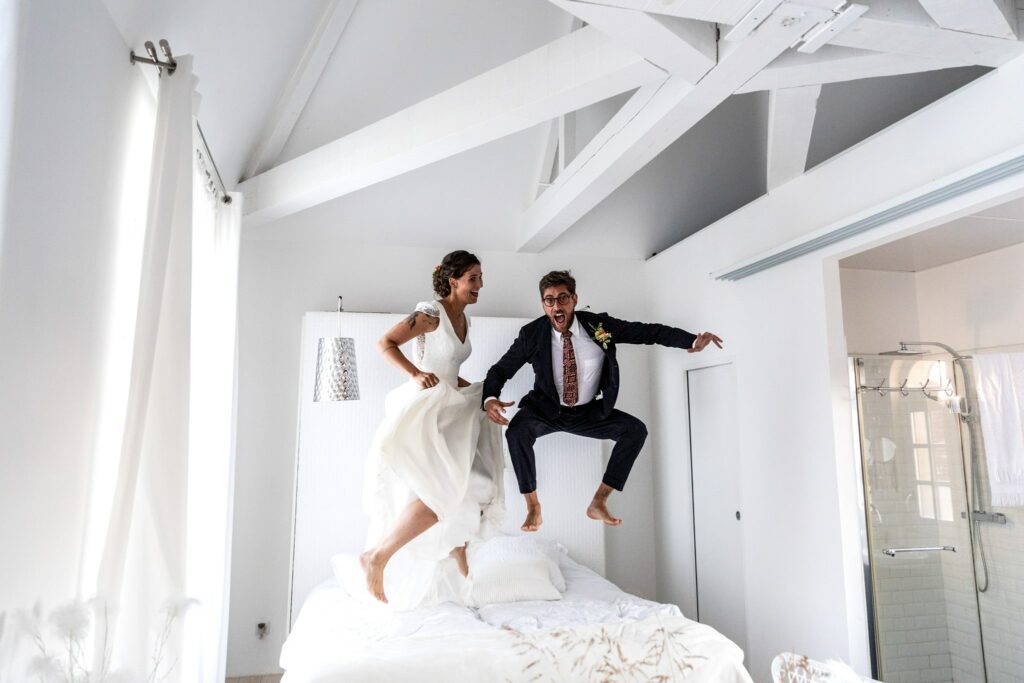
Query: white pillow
[521, 579]
[500, 550]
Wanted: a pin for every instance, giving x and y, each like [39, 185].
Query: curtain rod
[216, 172]
[171, 65]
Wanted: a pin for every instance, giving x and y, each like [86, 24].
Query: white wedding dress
[437, 445]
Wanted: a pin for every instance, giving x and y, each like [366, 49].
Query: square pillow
[513, 581]
[500, 550]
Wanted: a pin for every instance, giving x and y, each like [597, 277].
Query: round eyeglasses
[562, 298]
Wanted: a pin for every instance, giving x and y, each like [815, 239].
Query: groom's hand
[496, 410]
[703, 339]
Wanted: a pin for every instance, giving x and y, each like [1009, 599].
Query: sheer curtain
[216, 233]
[163, 541]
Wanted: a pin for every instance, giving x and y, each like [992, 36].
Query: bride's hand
[425, 379]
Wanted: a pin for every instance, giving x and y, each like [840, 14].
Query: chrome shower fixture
[902, 351]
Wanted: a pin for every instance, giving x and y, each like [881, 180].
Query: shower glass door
[925, 601]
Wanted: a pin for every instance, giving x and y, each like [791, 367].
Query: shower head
[902, 351]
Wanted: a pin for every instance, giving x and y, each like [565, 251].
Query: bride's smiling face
[466, 289]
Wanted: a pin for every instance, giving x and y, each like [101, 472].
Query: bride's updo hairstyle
[453, 265]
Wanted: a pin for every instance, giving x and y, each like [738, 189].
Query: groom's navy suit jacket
[533, 346]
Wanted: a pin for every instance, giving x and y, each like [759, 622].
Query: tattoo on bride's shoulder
[411, 319]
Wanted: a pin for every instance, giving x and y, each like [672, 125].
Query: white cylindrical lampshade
[337, 378]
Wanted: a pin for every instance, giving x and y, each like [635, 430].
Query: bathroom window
[931, 469]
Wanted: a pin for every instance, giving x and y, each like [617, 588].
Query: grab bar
[891, 552]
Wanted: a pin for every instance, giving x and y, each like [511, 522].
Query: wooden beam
[303, 80]
[729, 12]
[900, 26]
[651, 120]
[684, 47]
[567, 74]
[790, 121]
[835, 64]
[904, 27]
[566, 140]
[546, 173]
[714, 11]
[997, 18]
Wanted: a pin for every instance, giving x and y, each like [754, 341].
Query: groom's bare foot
[460, 557]
[533, 519]
[373, 566]
[598, 508]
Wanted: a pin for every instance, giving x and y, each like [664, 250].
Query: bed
[596, 632]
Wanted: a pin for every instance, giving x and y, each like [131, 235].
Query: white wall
[280, 280]
[974, 303]
[61, 224]
[795, 480]
[879, 309]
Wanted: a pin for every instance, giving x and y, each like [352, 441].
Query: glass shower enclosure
[928, 525]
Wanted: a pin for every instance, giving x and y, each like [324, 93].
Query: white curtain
[215, 248]
[163, 567]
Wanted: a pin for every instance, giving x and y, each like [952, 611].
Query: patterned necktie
[570, 392]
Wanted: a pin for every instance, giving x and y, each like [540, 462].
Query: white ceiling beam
[902, 26]
[997, 18]
[728, 12]
[790, 121]
[546, 173]
[566, 140]
[567, 74]
[714, 11]
[651, 120]
[832, 64]
[684, 47]
[889, 26]
[301, 84]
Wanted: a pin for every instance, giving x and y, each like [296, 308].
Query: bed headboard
[334, 438]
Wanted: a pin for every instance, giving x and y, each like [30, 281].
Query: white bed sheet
[596, 629]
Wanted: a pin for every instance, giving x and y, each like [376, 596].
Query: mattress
[596, 632]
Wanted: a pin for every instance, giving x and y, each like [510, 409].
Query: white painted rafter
[902, 26]
[790, 121]
[546, 173]
[716, 11]
[997, 18]
[565, 75]
[303, 80]
[684, 47]
[833, 64]
[651, 120]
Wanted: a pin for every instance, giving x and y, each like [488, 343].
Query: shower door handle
[891, 552]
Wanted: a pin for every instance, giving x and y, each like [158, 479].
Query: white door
[717, 514]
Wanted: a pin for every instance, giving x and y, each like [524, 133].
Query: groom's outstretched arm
[506, 368]
[627, 332]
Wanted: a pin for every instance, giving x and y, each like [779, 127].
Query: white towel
[1000, 380]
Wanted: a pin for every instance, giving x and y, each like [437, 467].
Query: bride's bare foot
[373, 566]
[533, 519]
[460, 557]
[598, 508]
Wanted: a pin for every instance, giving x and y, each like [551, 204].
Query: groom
[573, 359]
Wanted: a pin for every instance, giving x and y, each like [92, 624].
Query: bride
[436, 467]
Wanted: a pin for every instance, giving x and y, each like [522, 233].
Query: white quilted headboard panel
[334, 439]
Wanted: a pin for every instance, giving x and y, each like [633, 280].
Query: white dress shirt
[589, 362]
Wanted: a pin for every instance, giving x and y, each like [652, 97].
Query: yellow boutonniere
[601, 335]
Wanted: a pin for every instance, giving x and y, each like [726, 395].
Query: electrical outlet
[262, 629]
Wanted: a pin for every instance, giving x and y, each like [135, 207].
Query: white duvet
[596, 632]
